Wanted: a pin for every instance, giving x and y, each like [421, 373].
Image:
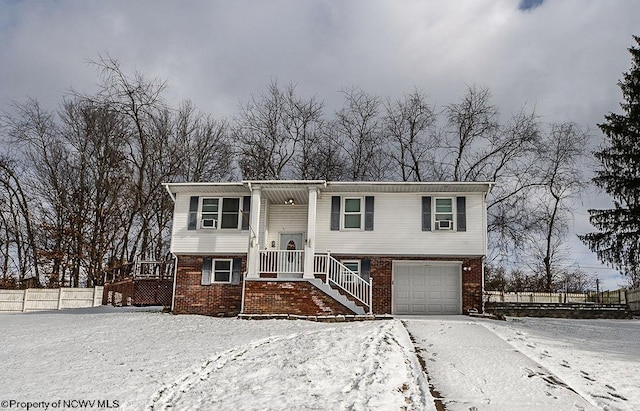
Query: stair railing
[342, 277]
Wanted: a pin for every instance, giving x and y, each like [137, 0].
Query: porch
[330, 277]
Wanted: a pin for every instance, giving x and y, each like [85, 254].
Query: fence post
[59, 298]
[24, 300]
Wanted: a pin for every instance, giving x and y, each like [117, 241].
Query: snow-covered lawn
[149, 360]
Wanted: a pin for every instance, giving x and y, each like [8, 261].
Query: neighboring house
[328, 248]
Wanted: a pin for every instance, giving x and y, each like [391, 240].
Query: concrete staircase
[559, 310]
[325, 288]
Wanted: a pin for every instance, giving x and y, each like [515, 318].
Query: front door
[291, 260]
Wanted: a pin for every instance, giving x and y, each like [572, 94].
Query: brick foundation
[300, 297]
[289, 297]
[216, 299]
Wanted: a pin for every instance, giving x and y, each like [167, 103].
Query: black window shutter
[461, 213]
[365, 269]
[207, 266]
[246, 209]
[235, 271]
[335, 213]
[193, 212]
[426, 213]
[368, 213]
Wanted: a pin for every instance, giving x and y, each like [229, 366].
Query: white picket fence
[39, 299]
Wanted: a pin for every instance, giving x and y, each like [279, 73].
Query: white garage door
[426, 289]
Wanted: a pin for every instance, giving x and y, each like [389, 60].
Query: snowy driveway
[470, 366]
[154, 361]
[530, 363]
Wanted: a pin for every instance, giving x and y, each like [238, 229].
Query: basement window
[216, 271]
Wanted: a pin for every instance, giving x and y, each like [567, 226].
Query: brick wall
[472, 285]
[216, 299]
[289, 297]
[299, 297]
[381, 273]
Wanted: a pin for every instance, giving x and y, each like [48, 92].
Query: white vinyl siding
[204, 241]
[285, 219]
[398, 228]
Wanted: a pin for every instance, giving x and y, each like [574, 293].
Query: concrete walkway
[471, 368]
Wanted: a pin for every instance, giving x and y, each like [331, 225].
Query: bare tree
[18, 238]
[472, 123]
[359, 126]
[139, 101]
[410, 125]
[477, 147]
[305, 124]
[560, 160]
[97, 141]
[202, 150]
[262, 130]
[328, 159]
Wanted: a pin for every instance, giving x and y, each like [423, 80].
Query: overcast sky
[563, 57]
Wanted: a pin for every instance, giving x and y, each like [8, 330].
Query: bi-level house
[328, 248]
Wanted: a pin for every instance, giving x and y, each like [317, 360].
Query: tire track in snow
[390, 339]
[167, 396]
[436, 396]
[355, 366]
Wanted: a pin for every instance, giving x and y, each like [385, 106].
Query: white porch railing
[341, 276]
[282, 261]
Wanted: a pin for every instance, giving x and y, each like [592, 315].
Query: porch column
[253, 258]
[310, 245]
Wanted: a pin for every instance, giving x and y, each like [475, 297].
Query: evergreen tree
[618, 240]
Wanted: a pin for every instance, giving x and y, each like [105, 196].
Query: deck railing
[282, 261]
[341, 276]
[147, 269]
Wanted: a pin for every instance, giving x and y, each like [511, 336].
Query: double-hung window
[216, 271]
[352, 213]
[444, 213]
[209, 216]
[230, 212]
[223, 213]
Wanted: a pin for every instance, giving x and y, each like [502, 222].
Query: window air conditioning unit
[209, 223]
[445, 225]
